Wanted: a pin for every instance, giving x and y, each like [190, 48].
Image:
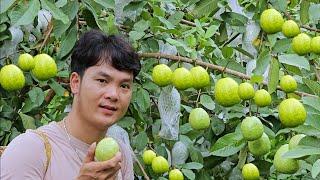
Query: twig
[47, 36]
[211, 66]
[183, 21]
[310, 28]
[140, 166]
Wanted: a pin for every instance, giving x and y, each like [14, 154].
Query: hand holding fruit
[105, 169]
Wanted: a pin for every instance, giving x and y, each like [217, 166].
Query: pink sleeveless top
[25, 157]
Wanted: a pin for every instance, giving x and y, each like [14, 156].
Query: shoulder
[26, 154]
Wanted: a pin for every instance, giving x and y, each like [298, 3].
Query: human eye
[126, 86]
[102, 81]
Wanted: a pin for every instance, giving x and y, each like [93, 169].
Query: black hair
[95, 47]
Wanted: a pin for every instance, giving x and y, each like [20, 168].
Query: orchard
[228, 89]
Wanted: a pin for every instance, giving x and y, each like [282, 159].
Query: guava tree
[196, 120]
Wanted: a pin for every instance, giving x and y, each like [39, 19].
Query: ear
[75, 82]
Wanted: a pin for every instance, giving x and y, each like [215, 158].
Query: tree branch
[211, 66]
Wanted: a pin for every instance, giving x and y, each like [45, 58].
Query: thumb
[90, 155]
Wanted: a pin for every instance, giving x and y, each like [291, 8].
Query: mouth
[109, 110]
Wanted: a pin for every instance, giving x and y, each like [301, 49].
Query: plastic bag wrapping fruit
[179, 153]
[122, 138]
[169, 108]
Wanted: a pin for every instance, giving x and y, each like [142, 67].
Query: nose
[112, 93]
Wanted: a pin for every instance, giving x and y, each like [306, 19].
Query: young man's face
[103, 95]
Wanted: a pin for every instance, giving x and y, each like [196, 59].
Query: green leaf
[195, 154]
[140, 141]
[313, 85]
[108, 25]
[192, 165]
[27, 121]
[71, 9]
[262, 62]
[55, 11]
[307, 130]
[294, 60]
[227, 52]
[314, 12]
[166, 22]
[228, 145]
[106, 4]
[304, 11]
[315, 169]
[143, 99]
[301, 151]
[24, 14]
[207, 102]
[5, 125]
[59, 28]
[5, 5]
[68, 42]
[211, 30]
[58, 89]
[243, 52]
[126, 122]
[36, 96]
[176, 17]
[28, 106]
[189, 174]
[282, 45]
[312, 101]
[205, 7]
[256, 79]
[280, 5]
[273, 75]
[61, 3]
[217, 126]
[136, 35]
[141, 25]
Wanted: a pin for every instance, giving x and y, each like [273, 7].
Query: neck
[82, 130]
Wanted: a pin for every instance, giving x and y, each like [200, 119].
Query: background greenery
[224, 33]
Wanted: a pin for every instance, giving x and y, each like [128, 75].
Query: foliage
[223, 33]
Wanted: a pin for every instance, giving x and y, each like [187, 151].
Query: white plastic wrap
[169, 108]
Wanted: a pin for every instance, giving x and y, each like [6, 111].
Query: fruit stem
[257, 111]
[198, 97]
[249, 107]
[242, 157]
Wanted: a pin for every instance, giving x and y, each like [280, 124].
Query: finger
[110, 174]
[90, 154]
[114, 162]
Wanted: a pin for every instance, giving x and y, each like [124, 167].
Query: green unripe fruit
[246, 91]
[11, 78]
[160, 165]
[290, 28]
[148, 156]
[199, 119]
[182, 78]
[250, 172]
[288, 84]
[285, 165]
[260, 146]
[226, 92]
[271, 21]
[251, 128]
[26, 62]
[45, 67]
[315, 45]
[106, 149]
[200, 77]
[292, 113]
[301, 44]
[262, 98]
[161, 75]
[175, 174]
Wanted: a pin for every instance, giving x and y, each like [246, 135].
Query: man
[102, 72]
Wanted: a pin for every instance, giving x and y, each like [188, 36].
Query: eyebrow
[107, 76]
